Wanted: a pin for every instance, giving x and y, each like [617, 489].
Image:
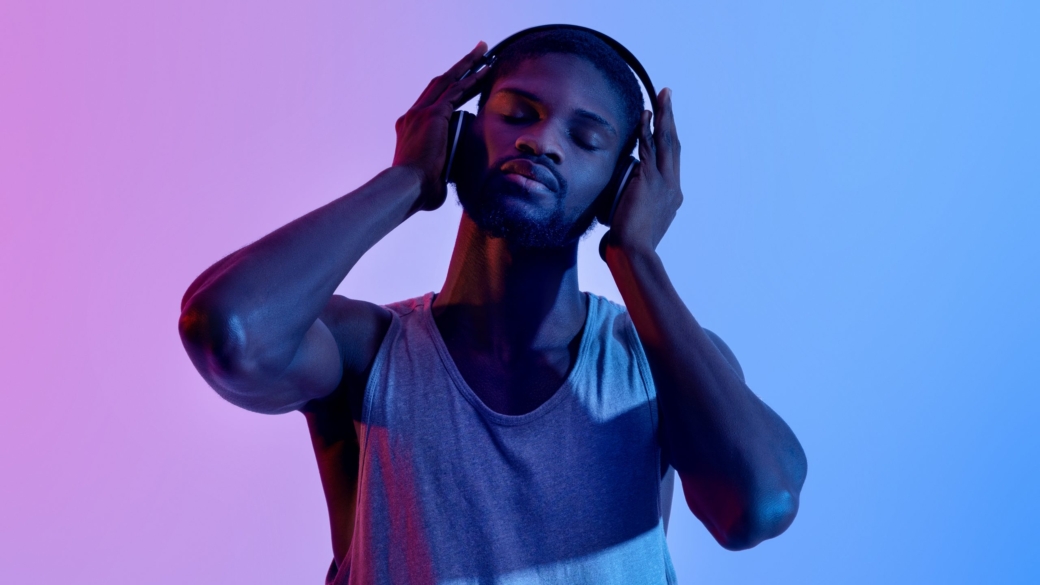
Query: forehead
[563, 80]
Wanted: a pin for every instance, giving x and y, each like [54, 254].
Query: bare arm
[252, 324]
[252, 328]
[741, 466]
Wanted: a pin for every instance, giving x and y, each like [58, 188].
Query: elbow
[767, 517]
[771, 506]
[215, 342]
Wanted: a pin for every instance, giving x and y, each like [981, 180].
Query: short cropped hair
[587, 46]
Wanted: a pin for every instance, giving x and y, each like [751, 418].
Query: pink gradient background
[859, 226]
[141, 142]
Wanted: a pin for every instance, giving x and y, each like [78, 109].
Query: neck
[496, 295]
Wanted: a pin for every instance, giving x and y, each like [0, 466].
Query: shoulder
[361, 327]
[607, 312]
[614, 318]
[613, 322]
[614, 337]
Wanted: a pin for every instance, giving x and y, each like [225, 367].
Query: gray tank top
[451, 492]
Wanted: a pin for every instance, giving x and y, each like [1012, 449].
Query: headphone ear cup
[611, 194]
[458, 128]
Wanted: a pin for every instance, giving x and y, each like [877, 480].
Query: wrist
[616, 251]
[430, 191]
[410, 180]
[408, 174]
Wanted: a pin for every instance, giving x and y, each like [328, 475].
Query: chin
[504, 210]
[500, 216]
[505, 216]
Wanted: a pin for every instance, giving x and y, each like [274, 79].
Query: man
[509, 428]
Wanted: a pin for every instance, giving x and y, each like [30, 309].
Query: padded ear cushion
[611, 194]
[458, 127]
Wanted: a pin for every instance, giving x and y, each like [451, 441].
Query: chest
[517, 385]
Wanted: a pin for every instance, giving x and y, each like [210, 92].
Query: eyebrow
[580, 112]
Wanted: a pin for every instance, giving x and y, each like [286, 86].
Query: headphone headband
[489, 58]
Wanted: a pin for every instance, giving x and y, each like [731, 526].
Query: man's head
[557, 111]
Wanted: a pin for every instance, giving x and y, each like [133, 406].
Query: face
[547, 141]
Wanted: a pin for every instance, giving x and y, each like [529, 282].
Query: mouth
[530, 174]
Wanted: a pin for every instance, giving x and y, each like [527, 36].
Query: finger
[647, 150]
[666, 139]
[440, 83]
[424, 97]
[466, 63]
[475, 54]
[463, 90]
[676, 143]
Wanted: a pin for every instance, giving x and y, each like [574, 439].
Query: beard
[486, 204]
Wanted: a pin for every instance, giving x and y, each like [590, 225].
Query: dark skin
[266, 331]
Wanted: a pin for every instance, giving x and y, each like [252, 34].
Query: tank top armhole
[651, 392]
[372, 385]
[644, 369]
[341, 573]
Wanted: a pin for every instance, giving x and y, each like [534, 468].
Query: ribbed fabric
[452, 493]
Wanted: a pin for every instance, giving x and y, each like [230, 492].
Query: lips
[533, 171]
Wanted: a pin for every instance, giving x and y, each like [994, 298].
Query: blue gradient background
[860, 225]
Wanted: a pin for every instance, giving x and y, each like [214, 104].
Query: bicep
[337, 348]
[314, 371]
[338, 351]
[358, 328]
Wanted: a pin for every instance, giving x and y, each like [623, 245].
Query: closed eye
[582, 143]
[518, 119]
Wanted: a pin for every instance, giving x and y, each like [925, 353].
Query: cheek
[586, 181]
[498, 140]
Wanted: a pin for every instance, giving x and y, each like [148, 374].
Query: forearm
[734, 454]
[259, 302]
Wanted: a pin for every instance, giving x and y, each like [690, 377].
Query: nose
[537, 141]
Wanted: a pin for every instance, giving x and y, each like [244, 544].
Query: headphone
[461, 121]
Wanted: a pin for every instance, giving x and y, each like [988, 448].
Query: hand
[422, 132]
[649, 202]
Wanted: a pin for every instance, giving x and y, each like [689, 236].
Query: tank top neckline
[574, 377]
